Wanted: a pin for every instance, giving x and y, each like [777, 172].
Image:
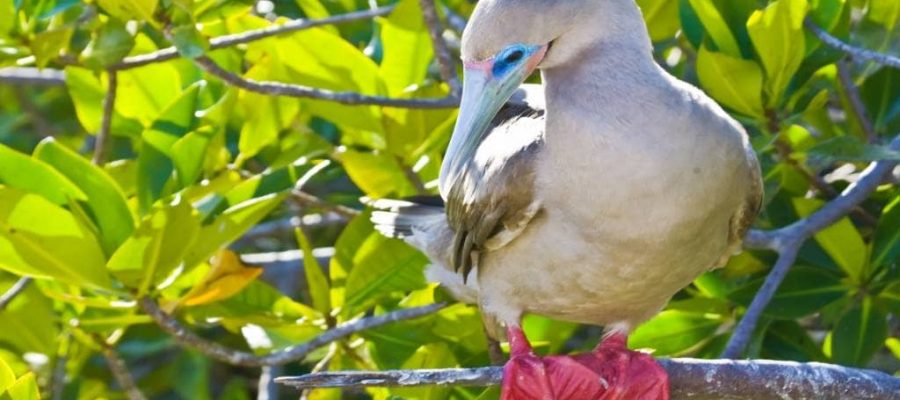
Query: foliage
[194, 163]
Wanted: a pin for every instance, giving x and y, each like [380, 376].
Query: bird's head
[504, 42]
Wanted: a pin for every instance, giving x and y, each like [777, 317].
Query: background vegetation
[132, 178]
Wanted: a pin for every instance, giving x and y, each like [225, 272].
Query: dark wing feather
[492, 201]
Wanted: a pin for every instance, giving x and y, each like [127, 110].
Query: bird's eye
[514, 56]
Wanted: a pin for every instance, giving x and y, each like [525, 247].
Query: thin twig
[120, 372]
[856, 52]
[856, 104]
[291, 90]
[444, 60]
[16, 289]
[788, 240]
[214, 350]
[58, 378]
[32, 76]
[305, 199]
[221, 42]
[689, 379]
[109, 103]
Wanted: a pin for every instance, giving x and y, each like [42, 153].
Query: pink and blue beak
[487, 85]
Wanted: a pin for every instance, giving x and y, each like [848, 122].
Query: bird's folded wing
[492, 201]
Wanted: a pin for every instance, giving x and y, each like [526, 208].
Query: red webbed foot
[611, 372]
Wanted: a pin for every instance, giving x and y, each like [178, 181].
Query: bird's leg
[610, 372]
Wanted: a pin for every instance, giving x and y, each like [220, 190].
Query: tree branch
[109, 103]
[307, 200]
[856, 104]
[856, 52]
[787, 241]
[689, 378]
[32, 76]
[120, 372]
[187, 338]
[444, 60]
[291, 90]
[16, 289]
[221, 42]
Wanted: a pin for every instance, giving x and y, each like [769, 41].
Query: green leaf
[787, 340]
[157, 247]
[859, 334]
[316, 281]
[804, 291]
[382, 266]
[429, 356]
[884, 12]
[230, 225]
[734, 82]
[674, 332]
[661, 17]
[265, 117]
[377, 174]
[25, 388]
[7, 377]
[881, 95]
[87, 93]
[345, 248]
[109, 45]
[25, 173]
[841, 241]
[46, 45]
[146, 92]
[141, 10]
[777, 35]
[40, 239]
[407, 47]
[886, 246]
[189, 42]
[155, 163]
[716, 26]
[104, 197]
[848, 148]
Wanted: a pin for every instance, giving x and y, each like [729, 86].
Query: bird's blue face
[487, 85]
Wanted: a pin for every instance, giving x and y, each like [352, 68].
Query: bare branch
[290, 90]
[744, 330]
[32, 76]
[307, 200]
[787, 241]
[221, 42]
[109, 103]
[187, 338]
[856, 52]
[856, 104]
[689, 378]
[120, 372]
[16, 289]
[444, 60]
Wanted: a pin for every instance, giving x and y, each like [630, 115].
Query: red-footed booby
[595, 207]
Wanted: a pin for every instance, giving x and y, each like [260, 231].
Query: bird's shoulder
[493, 199]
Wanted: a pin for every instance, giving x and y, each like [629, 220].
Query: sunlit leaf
[28, 174]
[109, 45]
[407, 47]
[141, 10]
[673, 332]
[777, 34]
[104, 198]
[40, 239]
[381, 266]
[841, 241]
[661, 17]
[716, 26]
[7, 377]
[25, 388]
[316, 281]
[157, 247]
[734, 82]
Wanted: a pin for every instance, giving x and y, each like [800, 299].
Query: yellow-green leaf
[407, 47]
[734, 82]
[661, 17]
[716, 27]
[841, 240]
[25, 388]
[40, 239]
[777, 35]
[28, 174]
[316, 281]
